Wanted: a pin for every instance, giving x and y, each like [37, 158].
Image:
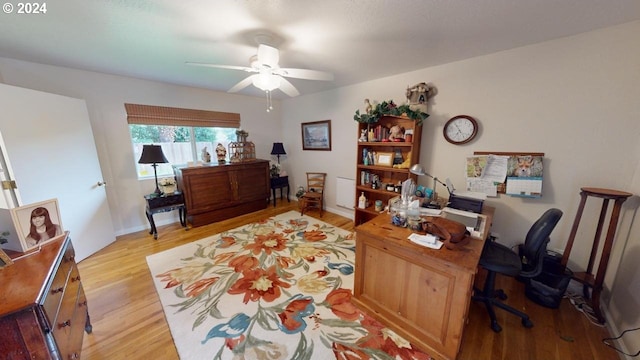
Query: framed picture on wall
[37, 223]
[316, 135]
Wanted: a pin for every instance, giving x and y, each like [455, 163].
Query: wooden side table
[279, 183]
[588, 278]
[164, 203]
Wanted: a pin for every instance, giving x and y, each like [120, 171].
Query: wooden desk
[164, 203]
[420, 293]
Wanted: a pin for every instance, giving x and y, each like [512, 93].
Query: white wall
[574, 99]
[105, 96]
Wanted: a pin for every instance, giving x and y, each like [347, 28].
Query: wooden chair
[314, 194]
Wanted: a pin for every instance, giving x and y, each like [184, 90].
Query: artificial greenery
[389, 108]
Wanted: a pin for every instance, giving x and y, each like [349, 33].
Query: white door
[51, 152]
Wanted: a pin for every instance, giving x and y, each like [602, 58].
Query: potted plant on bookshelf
[386, 108]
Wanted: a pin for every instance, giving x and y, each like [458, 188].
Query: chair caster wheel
[496, 327]
[527, 323]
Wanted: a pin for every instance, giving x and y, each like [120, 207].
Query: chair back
[535, 244]
[315, 182]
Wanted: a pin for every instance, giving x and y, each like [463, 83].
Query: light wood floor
[128, 321]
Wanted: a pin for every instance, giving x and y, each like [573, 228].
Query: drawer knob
[81, 304]
[55, 291]
[77, 278]
[74, 356]
[65, 324]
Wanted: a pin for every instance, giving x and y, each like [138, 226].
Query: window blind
[171, 116]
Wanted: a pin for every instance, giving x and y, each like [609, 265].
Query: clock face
[460, 129]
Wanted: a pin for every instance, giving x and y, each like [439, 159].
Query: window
[182, 133]
[180, 144]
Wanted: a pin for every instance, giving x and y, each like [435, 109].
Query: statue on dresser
[206, 157]
[221, 153]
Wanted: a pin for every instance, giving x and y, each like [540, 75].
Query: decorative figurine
[206, 157]
[221, 153]
[363, 135]
[368, 108]
[396, 133]
[418, 95]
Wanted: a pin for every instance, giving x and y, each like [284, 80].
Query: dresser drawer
[67, 304]
[54, 295]
[68, 330]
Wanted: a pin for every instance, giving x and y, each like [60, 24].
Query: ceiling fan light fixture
[266, 81]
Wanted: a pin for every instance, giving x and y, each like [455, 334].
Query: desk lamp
[278, 149]
[152, 154]
[419, 170]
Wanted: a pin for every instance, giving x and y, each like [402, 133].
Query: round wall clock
[460, 129]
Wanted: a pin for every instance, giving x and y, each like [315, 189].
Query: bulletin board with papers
[511, 173]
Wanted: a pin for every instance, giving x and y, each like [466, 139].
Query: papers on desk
[428, 240]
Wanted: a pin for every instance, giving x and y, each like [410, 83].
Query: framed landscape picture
[37, 223]
[316, 135]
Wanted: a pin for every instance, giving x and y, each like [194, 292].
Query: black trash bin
[548, 288]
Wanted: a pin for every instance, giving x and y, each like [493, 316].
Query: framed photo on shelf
[316, 135]
[384, 159]
[37, 223]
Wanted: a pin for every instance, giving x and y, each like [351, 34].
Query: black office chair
[527, 264]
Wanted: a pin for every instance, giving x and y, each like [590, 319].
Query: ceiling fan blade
[268, 55]
[242, 84]
[229, 67]
[305, 74]
[288, 87]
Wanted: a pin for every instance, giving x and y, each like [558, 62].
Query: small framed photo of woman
[37, 223]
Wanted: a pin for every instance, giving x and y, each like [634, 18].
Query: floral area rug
[279, 288]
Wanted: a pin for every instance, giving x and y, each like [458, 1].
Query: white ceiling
[356, 40]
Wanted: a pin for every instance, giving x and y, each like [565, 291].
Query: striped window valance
[163, 115]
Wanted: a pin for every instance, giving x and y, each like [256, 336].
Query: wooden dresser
[217, 192]
[43, 309]
[420, 293]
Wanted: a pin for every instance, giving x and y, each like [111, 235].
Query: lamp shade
[278, 149]
[152, 154]
[417, 169]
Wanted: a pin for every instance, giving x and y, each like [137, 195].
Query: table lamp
[419, 170]
[152, 154]
[278, 149]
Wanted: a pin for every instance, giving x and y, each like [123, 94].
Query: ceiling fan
[268, 75]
